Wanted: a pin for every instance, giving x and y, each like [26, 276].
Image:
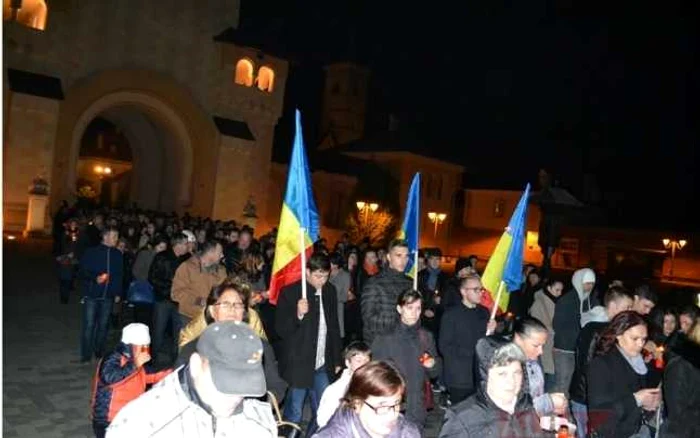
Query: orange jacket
[117, 382]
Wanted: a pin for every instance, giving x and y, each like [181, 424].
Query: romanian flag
[299, 215]
[506, 262]
[411, 226]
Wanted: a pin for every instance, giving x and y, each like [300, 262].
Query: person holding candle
[121, 376]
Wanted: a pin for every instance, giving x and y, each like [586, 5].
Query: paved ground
[46, 392]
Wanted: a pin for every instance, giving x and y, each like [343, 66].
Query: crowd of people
[371, 353]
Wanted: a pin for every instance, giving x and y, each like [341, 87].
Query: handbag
[428, 399]
[285, 429]
[140, 292]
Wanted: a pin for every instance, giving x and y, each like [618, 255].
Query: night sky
[603, 95]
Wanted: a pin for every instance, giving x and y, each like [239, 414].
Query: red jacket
[117, 382]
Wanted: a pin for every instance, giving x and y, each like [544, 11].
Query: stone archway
[160, 143]
[175, 143]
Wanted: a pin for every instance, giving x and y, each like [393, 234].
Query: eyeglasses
[230, 306]
[384, 410]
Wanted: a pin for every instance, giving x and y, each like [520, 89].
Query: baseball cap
[234, 353]
[190, 235]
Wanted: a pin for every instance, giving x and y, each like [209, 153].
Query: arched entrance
[163, 126]
[160, 145]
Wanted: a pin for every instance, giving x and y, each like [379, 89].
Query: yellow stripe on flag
[287, 247]
[493, 274]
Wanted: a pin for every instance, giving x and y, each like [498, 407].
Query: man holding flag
[306, 322]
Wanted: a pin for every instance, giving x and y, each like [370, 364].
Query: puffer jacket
[379, 298]
[478, 416]
[345, 424]
[172, 409]
[117, 382]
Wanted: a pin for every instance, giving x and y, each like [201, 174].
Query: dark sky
[602, 94]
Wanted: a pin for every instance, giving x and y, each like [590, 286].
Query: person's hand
[561, 404]
[437, 299]
[491, 327]
[117, 299]
[351, 296]
[302, 308]
[266, 294]
[102, 278]
[141, 358]
[429, 313]
[338, 368]
[649, 398]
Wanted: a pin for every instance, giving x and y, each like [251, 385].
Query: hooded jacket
[569, 310]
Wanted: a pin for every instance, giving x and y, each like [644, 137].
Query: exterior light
[436, 218]
[360, 205]
[432, 215]
[108, 170]
[666, 242]
[674, 245]
[99, 169]
[681, 243]
[373, 206]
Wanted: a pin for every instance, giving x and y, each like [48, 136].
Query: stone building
[196, 99]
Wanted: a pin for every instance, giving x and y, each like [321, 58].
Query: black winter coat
[162, 272]
[478, 417]
[299, 338]
[460, 330]
[612, 408]
[680, 389]
[404, 346]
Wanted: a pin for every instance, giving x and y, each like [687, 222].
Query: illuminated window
[244, 72]
[30, 13]
[266, 79]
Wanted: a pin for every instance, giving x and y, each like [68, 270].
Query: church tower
[344, 104]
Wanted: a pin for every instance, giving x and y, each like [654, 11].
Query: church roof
[395, 141]
[35, 84]
[267, 42]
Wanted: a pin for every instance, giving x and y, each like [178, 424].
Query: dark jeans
[100, 429]
[296, 397]
[93, 336]
[459, 394]
[165, 315]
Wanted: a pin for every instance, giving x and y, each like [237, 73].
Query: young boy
[356, 354]
[121, 376]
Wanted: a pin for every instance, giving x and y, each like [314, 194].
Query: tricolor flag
[506, 262]
[411, 226]
[298, 221]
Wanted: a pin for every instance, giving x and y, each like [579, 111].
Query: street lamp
[674, 245]
[437, 219]
[366, 207]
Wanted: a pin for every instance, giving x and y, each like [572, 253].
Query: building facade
[197, 103]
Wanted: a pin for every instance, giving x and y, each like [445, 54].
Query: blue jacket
[95, 261]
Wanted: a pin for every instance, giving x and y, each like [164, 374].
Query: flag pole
[415, 256]
[498, 298]
[302, 246]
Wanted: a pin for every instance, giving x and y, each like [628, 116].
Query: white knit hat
[136, 334]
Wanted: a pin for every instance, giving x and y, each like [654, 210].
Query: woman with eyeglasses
[229, 302]
[371, 406]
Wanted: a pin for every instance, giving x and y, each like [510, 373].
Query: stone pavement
[46, 393]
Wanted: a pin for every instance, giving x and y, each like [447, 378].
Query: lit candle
[659, 362]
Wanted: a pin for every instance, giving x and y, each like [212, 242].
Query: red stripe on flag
[289, 274]
[487, 301]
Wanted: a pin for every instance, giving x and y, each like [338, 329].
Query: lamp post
[437, 219]
[103, 172]
[674, 245]
[366, 207]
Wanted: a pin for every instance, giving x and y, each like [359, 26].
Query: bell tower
[344, 104]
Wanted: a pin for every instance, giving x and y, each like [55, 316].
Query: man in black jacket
[165, 311]
[379, 295]
[311, 344]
